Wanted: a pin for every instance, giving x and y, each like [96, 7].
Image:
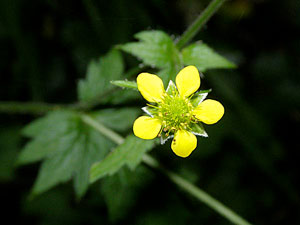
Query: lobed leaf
[129, 153]
[99, 73]
[68, 147]
[204, 57]
[122, 189]
[50, 133]
[155, 49]
[121, 119]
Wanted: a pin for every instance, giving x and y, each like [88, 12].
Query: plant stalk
[176, 179]
[35, 108]
[194, 28]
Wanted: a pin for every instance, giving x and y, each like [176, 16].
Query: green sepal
[199, 96]
[164, 138]
[150, 110]
[171, 89]
[198, 129]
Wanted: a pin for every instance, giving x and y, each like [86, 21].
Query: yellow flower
[176, 112]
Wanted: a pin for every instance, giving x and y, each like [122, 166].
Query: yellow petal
[184, 143]
[209, 111]
[150, 86]
[146, 127]
[188, 81]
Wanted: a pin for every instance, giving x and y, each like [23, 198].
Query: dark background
[250, 161]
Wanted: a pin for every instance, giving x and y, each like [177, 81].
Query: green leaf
[99, 73]
[121, 190]
[129, 153]
[125, 84]
[120, 119]
[204, 58]
[122, 97]
[198, 129]
[68, 148]
[46, 124]
[169, 73]
[155, 49]
[57, 129]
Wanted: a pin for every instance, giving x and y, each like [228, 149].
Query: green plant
[75, 142]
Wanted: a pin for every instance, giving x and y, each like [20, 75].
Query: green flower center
[175, 112]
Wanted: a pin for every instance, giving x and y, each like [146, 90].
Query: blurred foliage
[249, 161]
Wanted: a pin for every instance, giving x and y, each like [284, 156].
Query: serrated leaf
[46, 123]
[169, 73]
[204, 57]
[125, 84]
[120, 120]
[67, 150]
[100, 72]
[122, 97]
[49, 132]
[155, 49]
[129, 153]
[198, 129]
[121, 190]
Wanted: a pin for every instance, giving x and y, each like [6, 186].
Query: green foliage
[99, 73]
[122, 189]
[49, 132]
[157, 49]
[129, 153]
[204, 57]
[68, 147]
[248, 162]
[120, 120]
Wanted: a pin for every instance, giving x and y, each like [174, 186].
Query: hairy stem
[176, 179]
[194, 28]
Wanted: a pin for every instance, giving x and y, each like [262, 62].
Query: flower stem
[197, 192]
[176, 179]
[194, 28]
[115, 137]
[36, 108]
